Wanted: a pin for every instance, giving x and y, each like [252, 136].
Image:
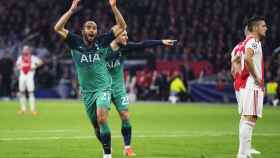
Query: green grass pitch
[160, 130]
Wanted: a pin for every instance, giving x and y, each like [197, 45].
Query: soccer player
[237, 65]
[27, 64]
[119, 95]
[252, 84]
[89, 53]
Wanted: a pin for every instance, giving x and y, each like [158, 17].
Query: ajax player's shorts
[251, 102]
[26, 83]
[94, 100]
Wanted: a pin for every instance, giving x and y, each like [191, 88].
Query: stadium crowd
[205, 30]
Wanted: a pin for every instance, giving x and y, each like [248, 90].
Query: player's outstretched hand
[74, 6]
[169, 42]
[113, 3]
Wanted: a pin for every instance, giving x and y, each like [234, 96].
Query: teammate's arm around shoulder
[60, 25]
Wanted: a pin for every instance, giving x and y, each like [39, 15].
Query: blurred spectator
[159, 87]
[271, 90]
[6, 73]
[130, 82]
[276, 100]
[44, 77]
[64, 84]
[177, 88]
[205, 30]
[220, 84]
[143, 81]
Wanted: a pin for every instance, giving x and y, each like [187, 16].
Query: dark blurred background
[206, 32]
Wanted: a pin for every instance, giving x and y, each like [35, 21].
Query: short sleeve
[235, 52]
[72, 40]
[105, 39]
[252, 44]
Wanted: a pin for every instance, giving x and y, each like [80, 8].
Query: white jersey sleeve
[257, 63]
[252, 44]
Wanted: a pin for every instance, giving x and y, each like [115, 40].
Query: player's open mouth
[91, 36]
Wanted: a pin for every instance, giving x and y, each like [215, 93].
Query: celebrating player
[89, 53]
[26, 64]
[119, 95]
[252, 84]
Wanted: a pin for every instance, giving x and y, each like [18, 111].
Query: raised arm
[148, 44]
[120, 22]
[60, 25]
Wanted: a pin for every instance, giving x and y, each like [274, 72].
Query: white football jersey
[33, 64]
[256, 46]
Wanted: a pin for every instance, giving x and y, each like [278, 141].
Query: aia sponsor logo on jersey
[89, 58]
[113, 64]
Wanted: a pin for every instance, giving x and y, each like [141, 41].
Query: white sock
[107, 156]
[32, 102]
[22, 101]
[245, 137]
[127, 146]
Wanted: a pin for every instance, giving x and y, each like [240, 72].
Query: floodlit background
[206, 32]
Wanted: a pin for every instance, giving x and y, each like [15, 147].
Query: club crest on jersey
[113, 64]
[89, 58]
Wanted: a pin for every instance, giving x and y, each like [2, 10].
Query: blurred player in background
[252, 84]
[27, 64]
[119, 94]
[177, 88]
[89, 53]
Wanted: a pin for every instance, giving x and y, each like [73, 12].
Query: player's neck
[256, 36]
[87, 43]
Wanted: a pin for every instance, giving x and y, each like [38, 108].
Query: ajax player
[27, 64]
[252, 84]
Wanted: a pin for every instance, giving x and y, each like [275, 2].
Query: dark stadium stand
[206, 32]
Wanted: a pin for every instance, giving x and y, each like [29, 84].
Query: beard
[90, 38]
[262, 36]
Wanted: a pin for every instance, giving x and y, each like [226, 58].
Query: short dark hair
[253, 21]
[84, 24]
